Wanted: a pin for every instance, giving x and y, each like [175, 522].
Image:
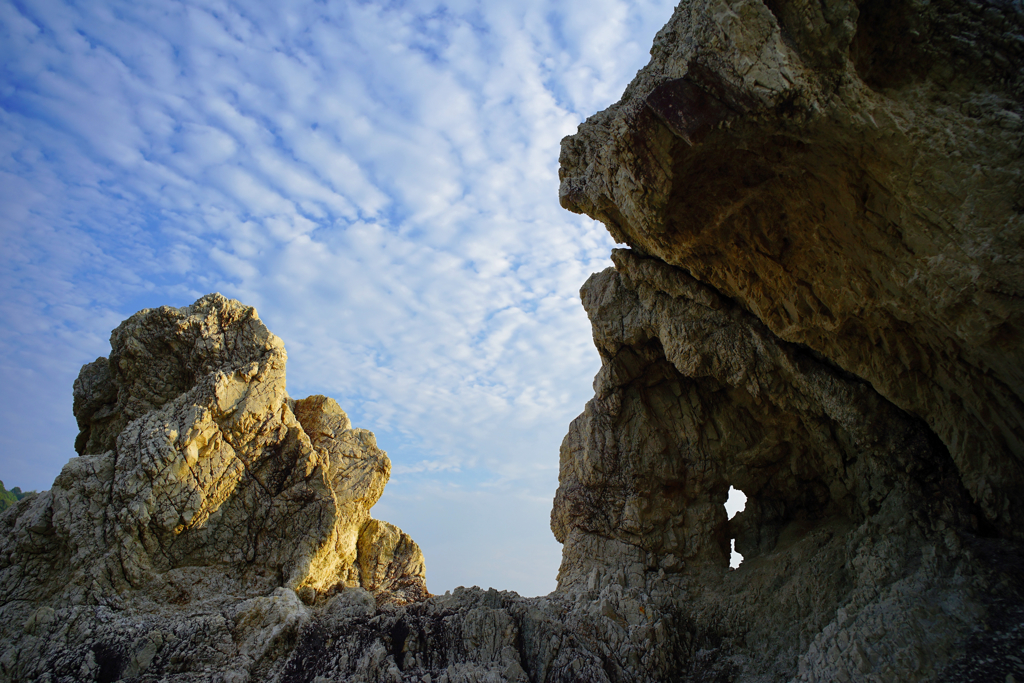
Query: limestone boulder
[197, 468]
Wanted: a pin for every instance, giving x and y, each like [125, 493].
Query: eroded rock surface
[200, 485]
[853, 174]
[822, 306]
[863, 558]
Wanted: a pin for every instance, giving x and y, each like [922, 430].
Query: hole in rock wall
[735, 504]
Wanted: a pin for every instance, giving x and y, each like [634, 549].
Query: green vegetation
[9, 498]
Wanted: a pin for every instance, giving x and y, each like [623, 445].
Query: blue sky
[379, 179]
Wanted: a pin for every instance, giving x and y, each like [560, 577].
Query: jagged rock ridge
[821, 306]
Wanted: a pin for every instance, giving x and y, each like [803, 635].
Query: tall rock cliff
[821, 306]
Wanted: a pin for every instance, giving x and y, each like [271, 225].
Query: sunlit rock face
[200, 484]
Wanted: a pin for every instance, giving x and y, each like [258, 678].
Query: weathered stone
[856, 525]
[858, 186]
[823, 309]
[95, 408]
[212, 491]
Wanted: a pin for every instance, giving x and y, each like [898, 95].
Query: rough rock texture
[862, 553]
[199, 482]
[821, 307]
[853, 174]
[696, 395]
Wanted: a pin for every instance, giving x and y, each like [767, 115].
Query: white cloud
[378, 179]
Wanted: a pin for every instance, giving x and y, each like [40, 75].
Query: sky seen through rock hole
[379, 179]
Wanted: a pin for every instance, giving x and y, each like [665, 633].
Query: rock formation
[821, 306]
[850, 173]
[860, 542]
[199, 484]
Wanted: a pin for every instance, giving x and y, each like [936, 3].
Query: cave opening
[734, 505]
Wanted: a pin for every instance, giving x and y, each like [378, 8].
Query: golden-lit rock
[214, 472]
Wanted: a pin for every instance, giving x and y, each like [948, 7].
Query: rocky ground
[820, 305]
